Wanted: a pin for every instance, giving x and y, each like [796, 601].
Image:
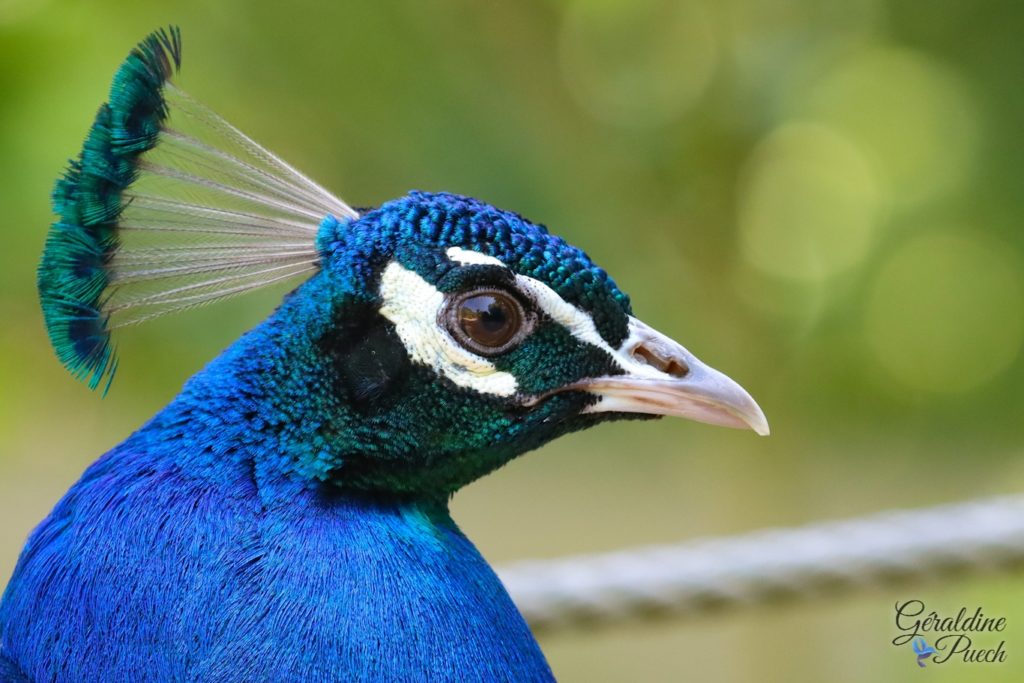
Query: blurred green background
[822, 199]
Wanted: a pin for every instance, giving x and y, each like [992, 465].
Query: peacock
[285, 517]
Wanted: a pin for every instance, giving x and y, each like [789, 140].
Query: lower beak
[663, 378]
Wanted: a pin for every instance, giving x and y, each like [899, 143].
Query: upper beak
[663, 378]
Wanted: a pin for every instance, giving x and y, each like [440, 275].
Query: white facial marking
[581, 326]
[472, 258]
[414, 306]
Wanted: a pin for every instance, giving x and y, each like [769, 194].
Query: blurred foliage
[820, 198]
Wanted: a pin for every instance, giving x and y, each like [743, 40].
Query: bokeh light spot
[809, 204]
[946, 313]
[912, 115]
[637, 63]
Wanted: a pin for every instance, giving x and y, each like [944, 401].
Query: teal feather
[73, 276]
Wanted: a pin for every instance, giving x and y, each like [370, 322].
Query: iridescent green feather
[73, 274]
[165, 211]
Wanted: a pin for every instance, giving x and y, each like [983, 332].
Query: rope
[770, 566]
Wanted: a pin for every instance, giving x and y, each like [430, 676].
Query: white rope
[770, 566]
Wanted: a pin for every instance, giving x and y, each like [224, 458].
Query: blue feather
[206, 548]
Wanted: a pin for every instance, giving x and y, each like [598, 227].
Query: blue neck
[228, 565]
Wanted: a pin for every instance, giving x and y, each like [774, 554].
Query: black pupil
[489, 319]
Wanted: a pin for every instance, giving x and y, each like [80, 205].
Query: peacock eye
[487, 322]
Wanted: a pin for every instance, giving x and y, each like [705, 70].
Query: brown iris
[486, 321]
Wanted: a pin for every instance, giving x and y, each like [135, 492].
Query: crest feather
[167, 207]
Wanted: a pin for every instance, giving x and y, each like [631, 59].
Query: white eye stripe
[469, 258]
[581, 325]
[414, 306]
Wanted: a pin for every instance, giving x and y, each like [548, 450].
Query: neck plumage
[205, 529]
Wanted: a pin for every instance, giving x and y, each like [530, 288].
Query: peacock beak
[663, 378]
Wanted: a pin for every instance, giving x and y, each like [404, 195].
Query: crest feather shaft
[167, 207]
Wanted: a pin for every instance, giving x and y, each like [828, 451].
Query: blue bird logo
[923, 651]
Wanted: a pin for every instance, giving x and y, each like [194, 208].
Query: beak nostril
[677, 368]
[670, 366]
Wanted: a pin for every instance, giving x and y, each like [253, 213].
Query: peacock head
[436, 336]
[460, 336]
